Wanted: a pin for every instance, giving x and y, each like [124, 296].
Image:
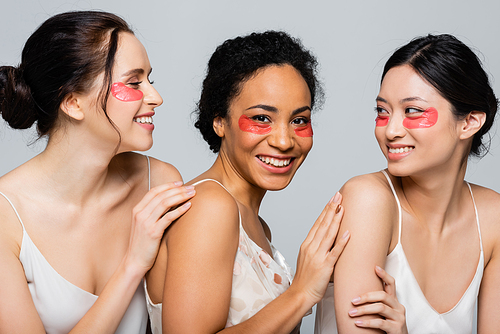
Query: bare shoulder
[213, 210]
[134, 166]
[488, 208]
[10, 228]
[368, 192]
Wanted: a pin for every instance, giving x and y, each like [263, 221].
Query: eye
[381, 111]
[135, 84]
[300, 121]
[261, 118]
[412, 110]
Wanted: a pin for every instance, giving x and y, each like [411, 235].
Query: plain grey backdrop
[351, 39]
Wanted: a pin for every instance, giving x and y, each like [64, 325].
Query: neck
[435, 198]
[243, 191]
[74, 167]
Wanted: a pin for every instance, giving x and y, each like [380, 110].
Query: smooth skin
[85, 203]
[196, 286]
[439, 237]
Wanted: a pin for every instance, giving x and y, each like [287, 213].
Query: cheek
[248, 125]
[428, 118]
[124, 93]
[381, 121]
[304, 131]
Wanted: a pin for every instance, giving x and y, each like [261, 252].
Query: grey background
[352, 40]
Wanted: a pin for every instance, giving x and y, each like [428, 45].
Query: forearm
[106, 313]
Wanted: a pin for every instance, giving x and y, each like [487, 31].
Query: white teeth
[144, 120]
[275, 162]
[401, 149]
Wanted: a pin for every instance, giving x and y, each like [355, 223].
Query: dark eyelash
[135, 83]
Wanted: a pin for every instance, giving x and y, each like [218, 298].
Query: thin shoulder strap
[220, 184]
[397, 201]
[14, 208]
[477, 216]
[149, 173]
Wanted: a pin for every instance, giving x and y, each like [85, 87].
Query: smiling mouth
[274, 161]
[144, 120]
[401, 149]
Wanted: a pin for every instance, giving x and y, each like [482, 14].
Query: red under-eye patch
[249, 125]
[427, 119]
[124, 93]
[304, 131]
[381, 120]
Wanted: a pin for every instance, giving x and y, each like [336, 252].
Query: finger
[390, 283]
[338, 248]
[377, 309]
[167, 201]
[332, 227]
[382, 324]
[171, 216]
[375, 297]
[153, 192]
[331, 205]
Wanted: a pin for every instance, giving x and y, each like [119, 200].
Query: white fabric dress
[61, 304]
[421, 318]
[257, 280]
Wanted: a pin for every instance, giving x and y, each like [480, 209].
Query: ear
[71, 105]
[472, 123]
[218, 125]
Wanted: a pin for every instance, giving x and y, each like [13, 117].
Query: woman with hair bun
[79, 223]
[217, 270]
[435, 233]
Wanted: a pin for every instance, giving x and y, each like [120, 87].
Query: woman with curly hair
[217, 269]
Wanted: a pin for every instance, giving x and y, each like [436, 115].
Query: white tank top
[257, 280]
[421, 318]
[61, 304]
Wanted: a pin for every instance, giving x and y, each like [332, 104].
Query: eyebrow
[407, 99]
[274, 109]
[136, 71]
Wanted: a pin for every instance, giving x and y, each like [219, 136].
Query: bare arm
[370, 213]
[187, 310]
[17, 311]
[488, 319]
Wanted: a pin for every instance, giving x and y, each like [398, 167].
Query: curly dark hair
[456, 73]
[235, 61]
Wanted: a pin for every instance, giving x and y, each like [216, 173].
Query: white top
[61, 304]
[257, 280]
[420, 316]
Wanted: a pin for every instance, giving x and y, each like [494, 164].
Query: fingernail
[346, 234]
[358, 322]
[186, 205]
[356, 300]
[378, 268]
[353, 311]
[190, 192]
[178, 183]
[338, 209]
[336, 198]
[189, 187]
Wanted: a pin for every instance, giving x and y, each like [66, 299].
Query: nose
[395, 128]
[152, 97]
[282, 137]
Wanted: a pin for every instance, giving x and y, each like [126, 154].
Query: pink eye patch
[428, 118]
[124, 93]
[304, 131]
[381, 120]
[249, 125]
